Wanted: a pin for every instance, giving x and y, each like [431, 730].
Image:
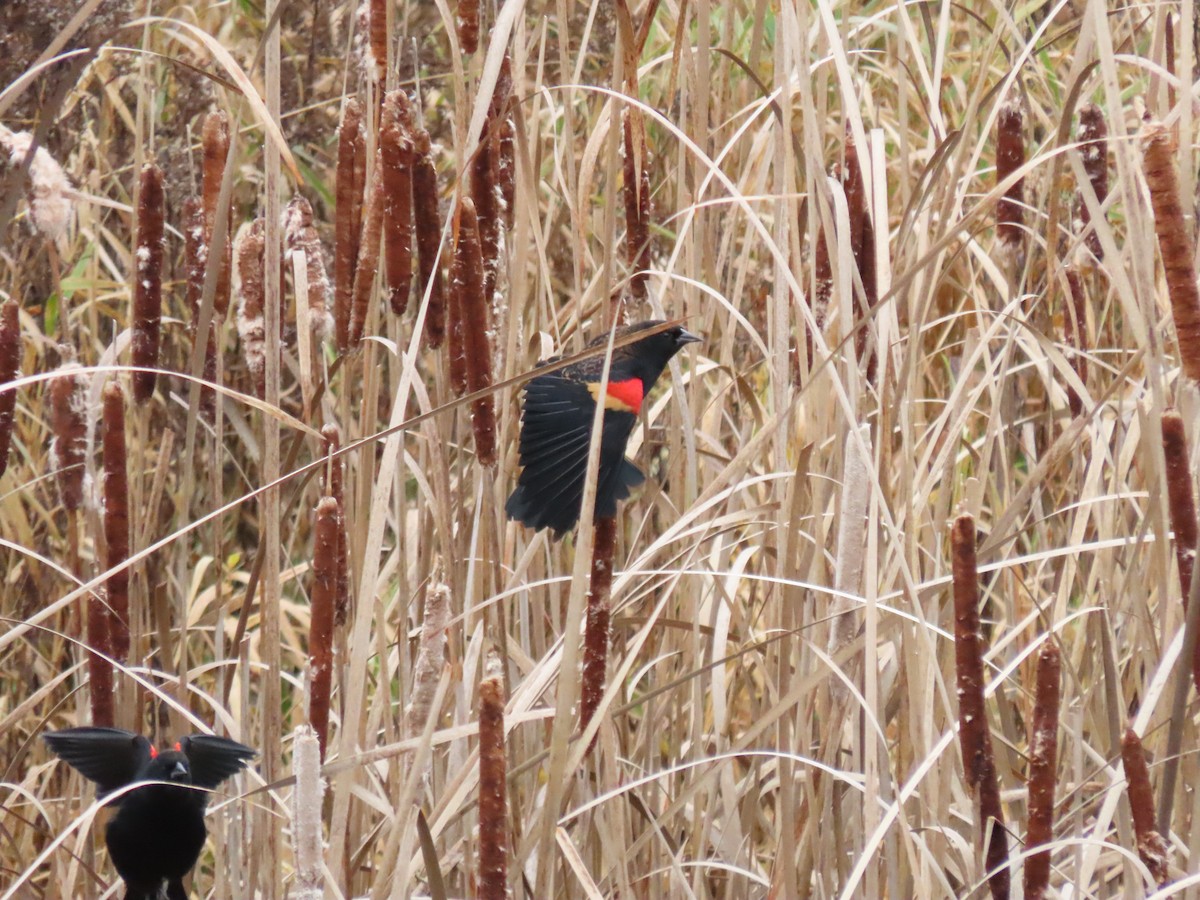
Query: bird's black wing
[111, 757]
[212, 759]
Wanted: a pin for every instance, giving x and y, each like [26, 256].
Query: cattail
[474, 326]
[49, 209]
[506, 167]
[1181, 507]
[636, 169]
[1075, 331]
[301, 235]
[320, 629]
[822, 292]
[10, 370]
[378, 36]
[214, 140]
[68, 422]
[116, 517]
[855, 187]
[1010, 156]
[467, 21]
[332, 487]
[1174, 243]
[195, 253]
[351, 159]
[431, 657]
[307, 800]
[368, 258]
[427, 221]
[493, 789]
[100, 651]
[147, 287]
[979, 764]
[864, 332]
[1151, 846]
[1093, 135]
[599, 615]
[251, 291]
[485, 179]
[396, 148]
[1043, 763]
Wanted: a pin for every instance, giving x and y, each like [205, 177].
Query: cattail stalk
[467, 23]
[1151, 846]
[475, 327]
[1010, 156]
[10, 370]
[368, 257]
[332, 486]
[1075, 332]
[397, 159]
[323, 603]
[598, 625]
[147, 287]
[431, 657]
[68, 423]
[636, 169]
[427, 221]
[493, 791]
[301, 235]
[116, 517]
[974, 736]
[251, 292]
[1174, 243]
[308, 845]
[1043, 765]
[1093, 135]
[214, 140]
[350, 161]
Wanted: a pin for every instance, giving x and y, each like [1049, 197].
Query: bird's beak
[179, 772]
[686, 337]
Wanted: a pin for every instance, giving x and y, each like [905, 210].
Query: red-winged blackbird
[158, 830]
[556, 429]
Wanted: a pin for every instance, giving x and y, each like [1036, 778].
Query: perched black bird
[556, 429]
[158, 830]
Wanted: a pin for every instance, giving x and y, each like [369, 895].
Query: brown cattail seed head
[195, 252]
[493, 791]
[1043, 761]
[116, 517]
[397, 158]
[10, 369]
[368, 257]
[324, 600]
[300, 235]
[1093, 135]
[599, 614]
[68, 422]
[215, 142]
[1152, 847]
[351, 162]
[250, 322]
[636, 169]
[378, 38]
[1075, 331]
[1174, 243]
[147, 287]
[427, 221]
[332, 486]
[1010, 156]
[475, 324]
[467, 20]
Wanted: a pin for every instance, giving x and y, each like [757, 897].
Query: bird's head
[169, 765]
[646, 359]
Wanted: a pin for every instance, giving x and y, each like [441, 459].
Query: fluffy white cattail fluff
[308, 847]
[49, 209]
[430, 657]
[847, 578]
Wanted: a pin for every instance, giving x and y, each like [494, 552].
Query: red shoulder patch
[153, 752]
[629, 393]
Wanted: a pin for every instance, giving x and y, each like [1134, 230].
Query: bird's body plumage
[556, 429]
[158, 831]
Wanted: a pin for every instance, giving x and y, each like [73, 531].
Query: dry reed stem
[214, 140]
[493, 791]
[1043, 766]
[251, 292]
[597, 627]
[431, 657]
[397, 159]
[1010, 156]
[147, 286]
[1174, 243]
[636, 186]
[300, 234]
[195, 253]
[1075, 333]
[1181, 507]
[474, 327]
[322, 609]
[308, 845]
[10, 370]
[1151, 846]
[350, 160]
[331, 485]
[368, 257]
[1093, 135]
[466, 21]
[116, 518]
[428, 225]
[68, 423]
[974, 735]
